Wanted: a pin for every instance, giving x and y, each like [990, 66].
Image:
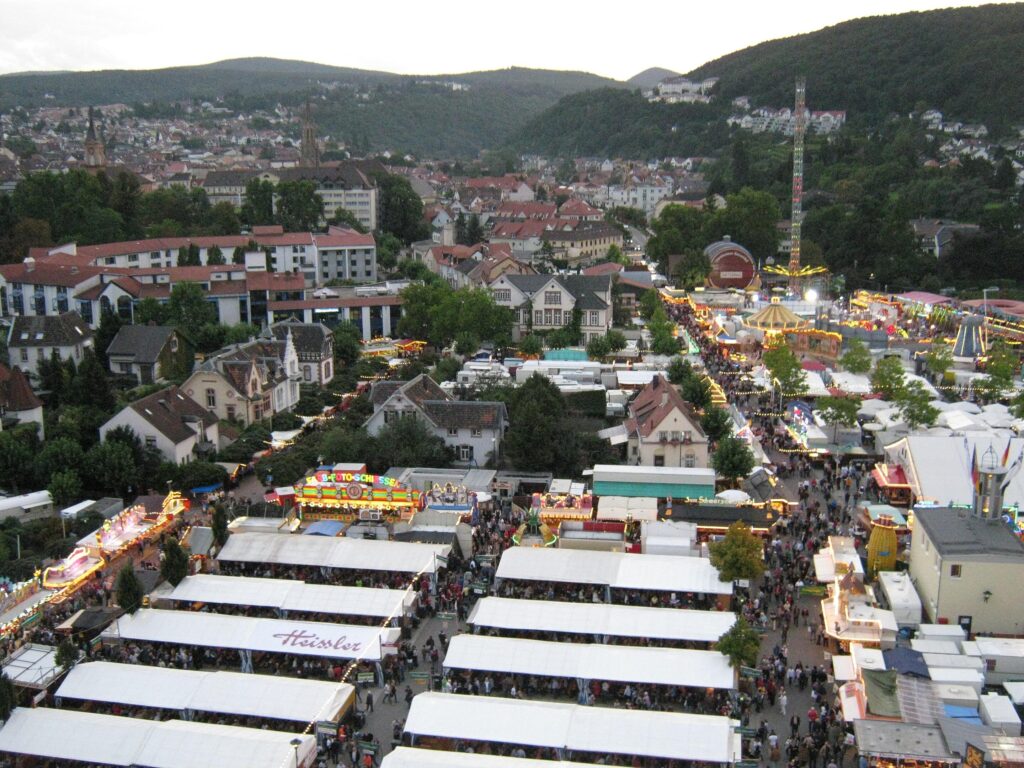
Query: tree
[732, 459]
[67, 654]
[474, 230]
[616, 340]
[597, 348]
[388, 248]
[128, 589]
[299, 207]
[857, 358]
[749, 218]
[939, 359]
[110, 324]
[536, 438]
[408, 442]
[1001, 365]
[65, 487]
[400, 210]
[786, 369]
[91, 385]
[650, 300]
[692, 269]
[716, 423]
[741, 644]
[347, 344]
[343, 217]
[888, 378]
[15, 462]
[187, 306]
[839, 411]
[149, 310]
[915, 406]
[259, 202]
[214, 256]
[112, 468]
[739, 555]
[8, 696]
[223, 220]
[531, 345]
[679, 370]
[197, 474]
[188, 256]
[461, 233]
[174, 561]
[696, 390]
[219, 525]
[616, 255]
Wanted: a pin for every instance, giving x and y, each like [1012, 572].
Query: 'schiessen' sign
[357, 477]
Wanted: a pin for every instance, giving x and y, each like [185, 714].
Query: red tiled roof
[41, 273]
[275, 281]
[500, 182]
[656, 401]
[339, 237]
[608, 268]
[268, 229]
[15, 392]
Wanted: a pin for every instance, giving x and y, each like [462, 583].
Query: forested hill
[427, 115]
[964, 61]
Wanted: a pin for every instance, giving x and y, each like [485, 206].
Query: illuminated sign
[344, 478]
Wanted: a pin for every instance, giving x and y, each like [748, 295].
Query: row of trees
[436, 313]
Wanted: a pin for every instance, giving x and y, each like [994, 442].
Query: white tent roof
[592, 661]
[333, 552]
[665, 735]
[665, 573]
[214, 630]
[815, 385]
[292, 595]
[407, 757]
[110, 740]
[851, 383]
[623, 507]
[601, 619]
[236, 693]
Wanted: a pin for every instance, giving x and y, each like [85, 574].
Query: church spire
[95, 152]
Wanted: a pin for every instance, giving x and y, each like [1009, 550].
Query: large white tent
[60, 734]
[627, 508]
[293, 595]
[243, 633]
[665, 735]
[235, 693]
[407, 757]
[591, 661]
[665, 573]
[601, 619]
[333, 552]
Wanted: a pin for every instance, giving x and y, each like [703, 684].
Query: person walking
[783, 700]
[408, 696]
[369, 701]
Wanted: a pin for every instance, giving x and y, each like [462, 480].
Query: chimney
[30, 263]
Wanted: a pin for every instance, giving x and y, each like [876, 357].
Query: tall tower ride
[309, 152]
[800, 127]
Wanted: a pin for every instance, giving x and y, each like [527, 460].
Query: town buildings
[171, 422]
[663, 429]
[547, 302]
[32, 340]
[146, 354]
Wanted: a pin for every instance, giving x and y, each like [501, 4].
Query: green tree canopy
[741, 644]
[219, 525]
[839, 411]
[188, 307]
[915, 406]
[716, 423]
[259, 202]
[299, 207]
[400, 210]
[739, 555]
[732, 459]
[174, 561]
[786, 369]
[857, 358]
[888, 378]
[408, 442]
[128, 589]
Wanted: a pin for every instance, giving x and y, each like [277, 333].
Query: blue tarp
[208, 488]
[960, 713]
[325, 528]
[906, 662]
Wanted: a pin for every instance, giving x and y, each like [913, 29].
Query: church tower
[95, 152]
[310, 156]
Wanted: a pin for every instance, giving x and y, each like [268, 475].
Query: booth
[351, 496]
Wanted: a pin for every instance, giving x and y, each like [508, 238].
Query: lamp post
[296, 743]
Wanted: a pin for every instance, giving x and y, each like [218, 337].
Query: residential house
[172, 422]
[479, 273]
[314, 347]
[18, 403]
[966, 566]
[579, 210]
[586, 243]
[247, 382]
[149, 353]
[935, 236]
[344, 254]
[547, 302]
[663, 429]
[32, 339]
[473, 429]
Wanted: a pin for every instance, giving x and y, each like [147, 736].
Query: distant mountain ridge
[963, 61]
[371, 110]
[650, 77]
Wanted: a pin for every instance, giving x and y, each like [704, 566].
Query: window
[231, 412]
[503, 294]
[688, 436]
[955, 571]
[150, 441]
[690, 460]
[547, 316]
[659, 461]
[595, 317]
[24, 354]
[556, 317]
[174, 342]
[477, 433]
[211, 398]
[465, 453]
[538, 317]
[552, 297]
[453, 432]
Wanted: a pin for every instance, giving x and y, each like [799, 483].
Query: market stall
[350, 496]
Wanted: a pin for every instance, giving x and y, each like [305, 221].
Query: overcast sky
[613, 39]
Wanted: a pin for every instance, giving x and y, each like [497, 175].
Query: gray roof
[312, 340]
[49, 331]
[228, 178]
[584, 288]
[958, 533]
[142, 343]
[888, 737]
[458, 414]
[170, 411]
[380, 391]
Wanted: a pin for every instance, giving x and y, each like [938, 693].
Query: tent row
[59, 734]
[333, 552]
[601, 619]
[627, 508]
[286, 595]
[408, 757]
[592, 661]
[663, 573]
[233, 693]
[243, 633]
[605, 730]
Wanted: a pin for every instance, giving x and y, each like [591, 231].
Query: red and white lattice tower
[800, 127]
